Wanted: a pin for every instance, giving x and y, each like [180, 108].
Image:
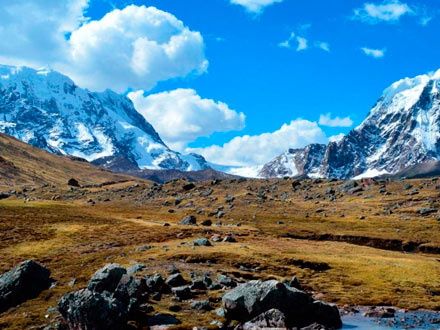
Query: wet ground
[412, 320]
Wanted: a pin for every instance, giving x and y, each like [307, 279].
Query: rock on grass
[26, 281]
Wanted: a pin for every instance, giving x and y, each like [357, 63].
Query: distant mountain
[24, 165]
[47, 110]
[401, 131]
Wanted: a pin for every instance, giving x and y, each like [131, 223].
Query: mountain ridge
[400, 131]
[47, 110]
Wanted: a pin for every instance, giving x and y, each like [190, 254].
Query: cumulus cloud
[302, 43]
[387, 11]
[258, 149]
[327, 120]
[376, 53]
[33, 31]
[255, 6]
[134, 47]
[181, 116]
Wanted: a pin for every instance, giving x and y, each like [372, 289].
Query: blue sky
[273, 85]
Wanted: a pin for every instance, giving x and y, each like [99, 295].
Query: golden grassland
[73, 239]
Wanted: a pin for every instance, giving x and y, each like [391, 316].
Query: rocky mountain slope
[22, 164]
[47, 110]
[401, 131]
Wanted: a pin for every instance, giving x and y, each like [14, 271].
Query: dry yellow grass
[74, 239]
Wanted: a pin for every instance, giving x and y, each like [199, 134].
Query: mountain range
[401, 132]
[47, 110]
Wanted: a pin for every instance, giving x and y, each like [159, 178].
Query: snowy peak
[400, 131]
[46, 109]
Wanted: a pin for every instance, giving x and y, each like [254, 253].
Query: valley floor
[375, 244]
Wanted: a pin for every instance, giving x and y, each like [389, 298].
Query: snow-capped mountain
[46, 109]
[401, 130]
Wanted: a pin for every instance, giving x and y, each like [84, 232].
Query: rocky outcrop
[26, 281]
[248, 301]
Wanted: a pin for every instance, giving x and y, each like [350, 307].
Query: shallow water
[415, 320]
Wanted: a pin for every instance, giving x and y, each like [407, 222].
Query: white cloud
[376, 53]
[327, 120]
[33, 32]
[258, 149]
[255, 6]
[387, 11]
[302, 43]
[134, 47]
[323, 45]
[181, 116]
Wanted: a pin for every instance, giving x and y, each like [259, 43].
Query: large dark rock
[73, 182]
[251, 299]
[175, 280]
[107, 278]
[88, 310]
[24, 282]
[270, 319]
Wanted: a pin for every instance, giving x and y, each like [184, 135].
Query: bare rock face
[26, 281]
[85, 309]
[401, 131]
[248, 301]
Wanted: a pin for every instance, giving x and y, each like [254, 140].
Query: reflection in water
[414, 320]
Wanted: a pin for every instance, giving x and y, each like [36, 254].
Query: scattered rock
[202, 242]
[176, 280]
[201, 305]
[189, 220]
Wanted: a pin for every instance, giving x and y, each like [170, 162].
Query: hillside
[22, 165]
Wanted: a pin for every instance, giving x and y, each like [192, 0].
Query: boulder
[272, 318]
[189, 220]
[26, 281]
[253, 298]
[156, 283]
[131, 290]
[188, 186]
[182, 293]
[73, 182]
[202, 242]
[85, 309]
[206, 223]
[107, 278]
[175, 280]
